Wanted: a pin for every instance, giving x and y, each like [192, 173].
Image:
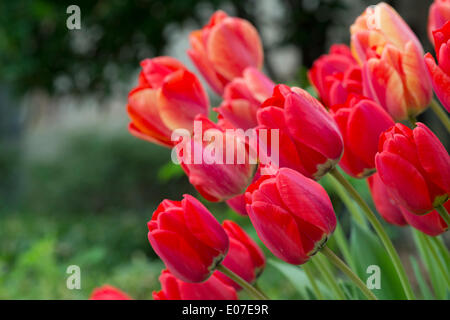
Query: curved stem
[251, 290]
[257, 287]
[348, 202]
[380, 231]
[444, 214]
[328, 276]
[348, 272]
[436, 107]
[311, 279]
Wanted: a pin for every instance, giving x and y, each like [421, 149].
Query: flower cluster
[364, 91]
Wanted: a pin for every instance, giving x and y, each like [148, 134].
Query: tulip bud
[224, 168]
[224, 48]
[187, 237]
[309, 138]
[107, 292]
[386, 206]
[244, 257]
[391, 57]
[431, 223]
[292, 214]
[361, 122]
[336, 75]
[438, 15]
[167, 97]
[211, 289]
[440, 75]
[243, 96]
[414, 166]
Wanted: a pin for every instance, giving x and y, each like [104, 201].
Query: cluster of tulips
[364, 120]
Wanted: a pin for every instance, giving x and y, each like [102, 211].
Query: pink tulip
[176, 289]
[414, 166]
[245, 257]
[336, 75]
[243, 96]
[187, 237]
[361, 121]
[385, 204]
[214, 177]
[440, 75]
[309, 138]
[391, 57]
[167, 97]
[224, 48]
[438, 15]
[292, 214]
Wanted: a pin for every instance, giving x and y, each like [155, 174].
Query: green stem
[348, 272]
[437, 260]
[312, 280]
[436, 107]
[348, 201]
[329, 278]
[444, 214]
[442, 248]
[412, 120]
[251, 290]
[379, 230]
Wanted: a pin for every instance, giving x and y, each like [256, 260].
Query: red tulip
[438, 15]
[309, 138]
[292, 214]
[385, 204]
[243, 96]
[244, 258]
[214, 177]
[167, 97]
[187, 237]
[107, 292]
[361, 122]
[336, 75]
[431, 223]
[440, 75]
[224, 48]
[414, 166]
[392, 61]
[211, 289]
[238, 204]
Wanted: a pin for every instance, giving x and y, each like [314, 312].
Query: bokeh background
[75, 186]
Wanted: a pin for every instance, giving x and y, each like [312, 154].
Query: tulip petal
[433, 157]
[440, 81]
[404, 182]
[234, 45]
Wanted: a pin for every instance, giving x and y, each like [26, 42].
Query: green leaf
[426, 293]
[299, 280]
[369, 251]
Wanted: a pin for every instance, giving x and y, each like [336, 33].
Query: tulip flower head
[167, 97]
[176, 289]
[244, 257]
[243, 96]
[291, 213]
[224, 48]
[107, 292]
[336, 75]
[361, 121]
[430, 223]
[391, 57]
[187, 237]
[440, 74]
[218, 162]
[438, 15]
[309, 138]
[414, 166]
